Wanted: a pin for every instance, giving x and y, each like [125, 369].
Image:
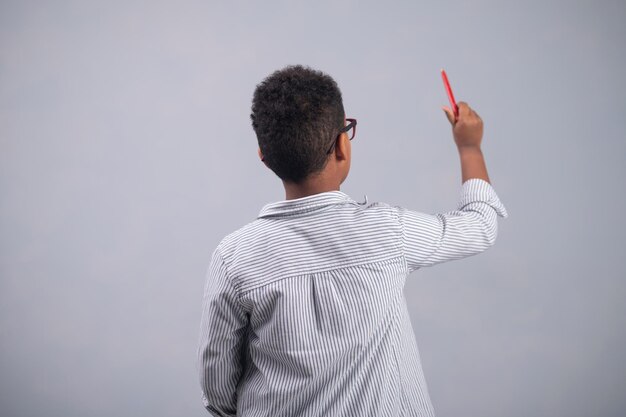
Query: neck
[309, 187]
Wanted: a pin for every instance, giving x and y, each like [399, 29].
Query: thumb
[449, 115]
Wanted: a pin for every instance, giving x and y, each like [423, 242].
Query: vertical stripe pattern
[304, 313]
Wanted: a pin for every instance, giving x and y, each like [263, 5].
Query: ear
[342, 147]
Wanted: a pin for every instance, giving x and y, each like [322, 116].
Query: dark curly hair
[296, 113]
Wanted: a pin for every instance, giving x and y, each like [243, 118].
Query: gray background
[126, 155]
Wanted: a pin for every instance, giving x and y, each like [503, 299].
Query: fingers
[449, 114]
[465, 111]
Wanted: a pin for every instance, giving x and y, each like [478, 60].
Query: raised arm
[467, 130]
[429, 239]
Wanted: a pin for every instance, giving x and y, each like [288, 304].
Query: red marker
[455, 108]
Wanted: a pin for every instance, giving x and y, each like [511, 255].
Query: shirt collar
[304, 204]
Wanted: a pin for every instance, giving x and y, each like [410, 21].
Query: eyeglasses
[350, 128]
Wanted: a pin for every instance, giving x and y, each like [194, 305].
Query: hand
[467, 129]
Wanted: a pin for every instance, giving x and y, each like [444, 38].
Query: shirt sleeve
[222, 341]
[429, 239]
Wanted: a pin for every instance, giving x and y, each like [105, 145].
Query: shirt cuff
[479, 190]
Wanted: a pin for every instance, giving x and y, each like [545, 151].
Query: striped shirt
[304, 312]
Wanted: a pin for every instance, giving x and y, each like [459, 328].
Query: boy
[303, 311]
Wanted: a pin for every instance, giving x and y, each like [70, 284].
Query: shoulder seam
[389, 258]
[229, 277]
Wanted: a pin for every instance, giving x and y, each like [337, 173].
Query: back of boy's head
[297, 113]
